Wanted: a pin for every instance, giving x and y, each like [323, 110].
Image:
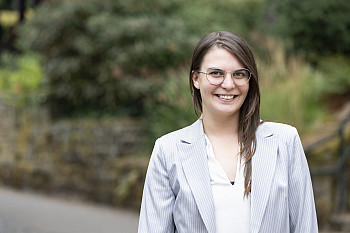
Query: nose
[228, 82]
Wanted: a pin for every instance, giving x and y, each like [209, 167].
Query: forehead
[218, 57]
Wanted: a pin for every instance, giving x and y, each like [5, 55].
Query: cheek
[245, 90]
[202, 91]
[207, 89]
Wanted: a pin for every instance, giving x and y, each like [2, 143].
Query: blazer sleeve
[158, 198]
[301, 199]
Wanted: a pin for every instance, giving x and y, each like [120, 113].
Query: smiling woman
[229, 171]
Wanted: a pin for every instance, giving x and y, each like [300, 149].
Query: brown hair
[249, 118]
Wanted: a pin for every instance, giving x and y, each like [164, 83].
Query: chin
[227, 113]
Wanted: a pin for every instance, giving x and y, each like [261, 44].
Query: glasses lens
[215, 76]
[241, 76]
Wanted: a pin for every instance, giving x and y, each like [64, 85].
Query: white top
[232, 209]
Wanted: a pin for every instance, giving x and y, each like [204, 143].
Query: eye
[240, 74]
[216, 73]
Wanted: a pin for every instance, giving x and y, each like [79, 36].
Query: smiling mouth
[226, 97]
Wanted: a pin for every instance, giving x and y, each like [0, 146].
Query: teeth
[226, 96]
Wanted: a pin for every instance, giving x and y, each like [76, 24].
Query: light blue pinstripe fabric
[177, 196]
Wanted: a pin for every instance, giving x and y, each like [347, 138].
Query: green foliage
[290, 88]
[337, 70]
[21, 77]
[104, 54]
[316, 27]
[8, 18]
[239, 16]
[107, 55]
[172, 108]
[124, 187]
[13, 5]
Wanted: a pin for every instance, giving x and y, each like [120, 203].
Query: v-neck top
[232, 209]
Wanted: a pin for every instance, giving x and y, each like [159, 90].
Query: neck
[221, 126]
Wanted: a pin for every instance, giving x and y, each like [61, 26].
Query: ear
[195, 79]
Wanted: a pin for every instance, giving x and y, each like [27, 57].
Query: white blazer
[177, 195]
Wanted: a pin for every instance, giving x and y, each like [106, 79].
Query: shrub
[290, 88]
[107, 55]
[8, 18]
[103, 54]
[336, 69]
[316, 27]
[172, 108]
[21, 78]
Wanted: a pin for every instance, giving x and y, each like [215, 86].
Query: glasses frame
[232, 72]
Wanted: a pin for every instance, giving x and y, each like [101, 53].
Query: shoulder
[285, 134]
[186, 134]
[174, 135]
[285, 137]
[166, 148]
[278, 129]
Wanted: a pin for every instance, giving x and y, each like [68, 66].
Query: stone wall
[99, 160]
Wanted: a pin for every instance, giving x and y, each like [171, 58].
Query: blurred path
[22, 212]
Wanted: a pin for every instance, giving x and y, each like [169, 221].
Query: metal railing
[339, 168]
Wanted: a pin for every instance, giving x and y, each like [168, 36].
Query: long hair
[249, 116]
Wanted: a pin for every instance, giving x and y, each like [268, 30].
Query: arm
[302, 212]
[158, 198]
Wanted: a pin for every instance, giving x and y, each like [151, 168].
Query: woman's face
[226, 98]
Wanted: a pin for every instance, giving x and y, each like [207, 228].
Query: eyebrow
[216, 68]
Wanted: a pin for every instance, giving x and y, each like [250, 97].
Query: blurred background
[86, 86]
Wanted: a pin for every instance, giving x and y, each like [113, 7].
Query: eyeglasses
[217, 76]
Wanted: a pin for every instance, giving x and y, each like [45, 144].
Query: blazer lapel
[193, 157]
[263, 168]
[195, 166]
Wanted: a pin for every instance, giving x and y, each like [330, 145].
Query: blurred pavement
[23, 212]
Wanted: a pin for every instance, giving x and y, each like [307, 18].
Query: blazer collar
[193, 158]
[194, 132]
[264, 130]
[263, 169]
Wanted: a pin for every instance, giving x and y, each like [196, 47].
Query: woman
[229, 171]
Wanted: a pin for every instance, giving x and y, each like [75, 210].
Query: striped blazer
[177, 195]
